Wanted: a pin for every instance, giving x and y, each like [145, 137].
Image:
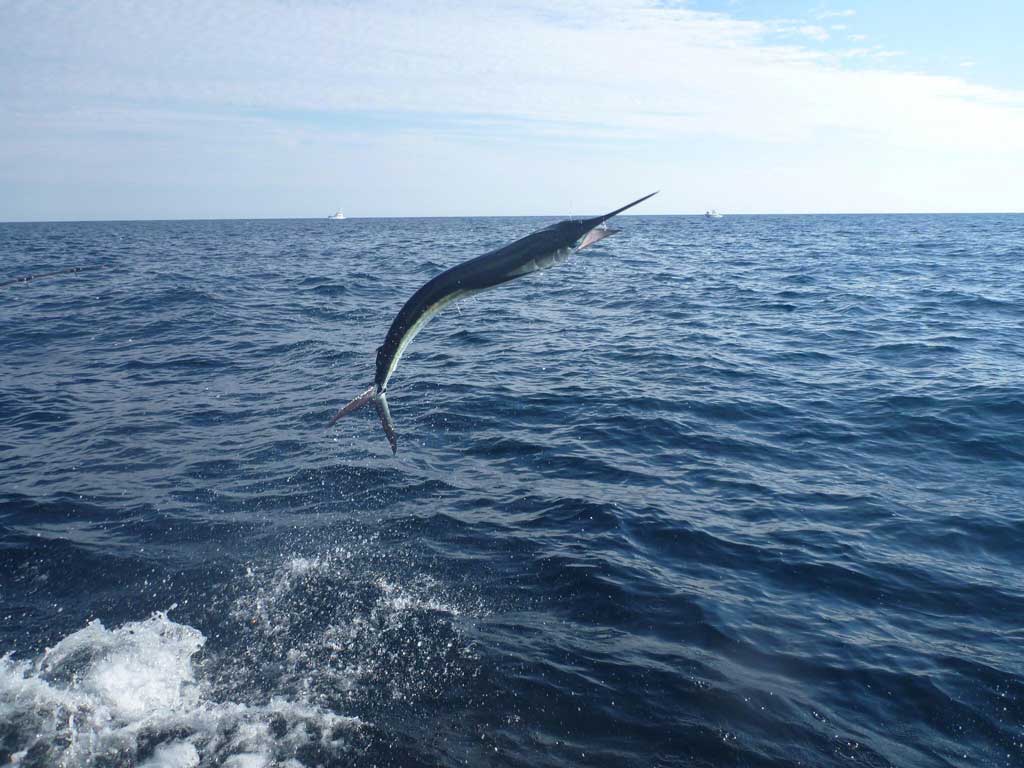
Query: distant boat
[712, 214]
[338, 215]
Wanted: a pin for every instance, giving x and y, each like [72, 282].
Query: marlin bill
[543, 249]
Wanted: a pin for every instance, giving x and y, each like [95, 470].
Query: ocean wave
[746, 494]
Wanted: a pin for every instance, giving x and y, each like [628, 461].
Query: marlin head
[586, 232]
[599, 220]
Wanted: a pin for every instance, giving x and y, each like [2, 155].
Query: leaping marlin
[543, 249]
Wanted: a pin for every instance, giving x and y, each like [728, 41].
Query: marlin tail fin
[355, 405]
[381, 403]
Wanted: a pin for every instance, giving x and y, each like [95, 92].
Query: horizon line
[510, 216]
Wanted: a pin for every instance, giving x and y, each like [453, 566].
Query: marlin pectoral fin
[355, 405]
[381, 403]
[595, 235]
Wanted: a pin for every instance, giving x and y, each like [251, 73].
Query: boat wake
[311, 644]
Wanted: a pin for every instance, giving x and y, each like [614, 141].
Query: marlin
[543, 249]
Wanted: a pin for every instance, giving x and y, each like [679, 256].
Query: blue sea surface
[744, 492]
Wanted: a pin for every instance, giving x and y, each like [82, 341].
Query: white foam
[246, 761]
[130, 695]
[142, 669]
[304, 637]
[177, 754]
[399, 599]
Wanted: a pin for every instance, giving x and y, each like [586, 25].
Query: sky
[168, 109]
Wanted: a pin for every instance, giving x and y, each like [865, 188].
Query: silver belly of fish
[548, 260]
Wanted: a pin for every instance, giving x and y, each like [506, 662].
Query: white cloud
[858, 38]
[846, 13]
[126, 83]
[967, 64]
[814, 32]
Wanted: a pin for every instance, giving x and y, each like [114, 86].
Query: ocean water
[746, 492]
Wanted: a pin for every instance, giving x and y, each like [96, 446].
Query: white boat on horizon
[712, 214]
[338, 215]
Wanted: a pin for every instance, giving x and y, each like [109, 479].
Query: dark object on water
[543, 249]
[71, 271]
